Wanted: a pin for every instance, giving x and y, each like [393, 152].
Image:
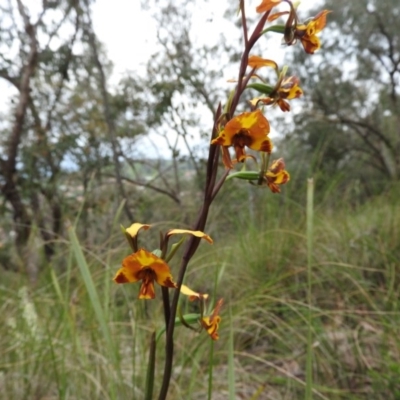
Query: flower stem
[151, 368]
[210, 191]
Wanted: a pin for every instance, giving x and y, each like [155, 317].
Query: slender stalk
[210, 370]
[231, 357]
[151, 368]
[190, 250]
[210, 191]
[244, 61]
[166, 305]
[310, 211]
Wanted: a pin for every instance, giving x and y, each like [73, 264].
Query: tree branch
[8, 166]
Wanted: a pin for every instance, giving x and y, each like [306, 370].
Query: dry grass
[52, 348]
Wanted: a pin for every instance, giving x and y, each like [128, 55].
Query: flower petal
[147, 290]
[254, 122]
[192, 294]
[222, 139]
[262, 144]
[216, 310]
[283, 105]
[311, 44]
[199, 234]
[277, 166]
[226, 158]
[211, 328]
[258, 62]
[275, 16]
[249, 120]
[320, 20]
[240, 153]
[211, 323]
[267, 5]
[265, 100]
[134, 229]
[129, 271]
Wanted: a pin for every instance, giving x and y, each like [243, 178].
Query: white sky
[130, 33]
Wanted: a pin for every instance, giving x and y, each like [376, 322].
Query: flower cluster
[295, 30]
[149, 267]
[251, 129]
[247, 132]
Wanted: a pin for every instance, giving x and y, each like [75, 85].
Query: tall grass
[54, 342]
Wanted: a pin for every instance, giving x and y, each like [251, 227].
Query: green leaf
[91, 289]
[274, 28]
[157, 252]
[174, 249]
[260, 87]
[247, 175]
[189, 319]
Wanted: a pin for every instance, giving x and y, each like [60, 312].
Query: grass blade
[151, 368]
[91, 288]
[231, 363]
[310, 212]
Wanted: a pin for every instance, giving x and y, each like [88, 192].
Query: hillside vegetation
[54, 346]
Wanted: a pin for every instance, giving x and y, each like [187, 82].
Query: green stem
[274, 28]
[231, 360]
[151, 366]
[210, 370]
[310, 212]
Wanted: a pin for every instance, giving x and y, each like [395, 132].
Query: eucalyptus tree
[352, 115]
[36, 54]
[182, 83]
[56, 131]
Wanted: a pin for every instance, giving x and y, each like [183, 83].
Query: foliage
[350, 122]
[62, 353]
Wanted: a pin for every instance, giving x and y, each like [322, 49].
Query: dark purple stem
[210, 192]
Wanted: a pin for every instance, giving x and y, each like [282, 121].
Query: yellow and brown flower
[249, 129]
[286, 89]
[307, 34]
[146, 267]
[211, 323]
[276, 175]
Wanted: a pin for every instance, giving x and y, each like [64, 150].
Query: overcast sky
[130, 33]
